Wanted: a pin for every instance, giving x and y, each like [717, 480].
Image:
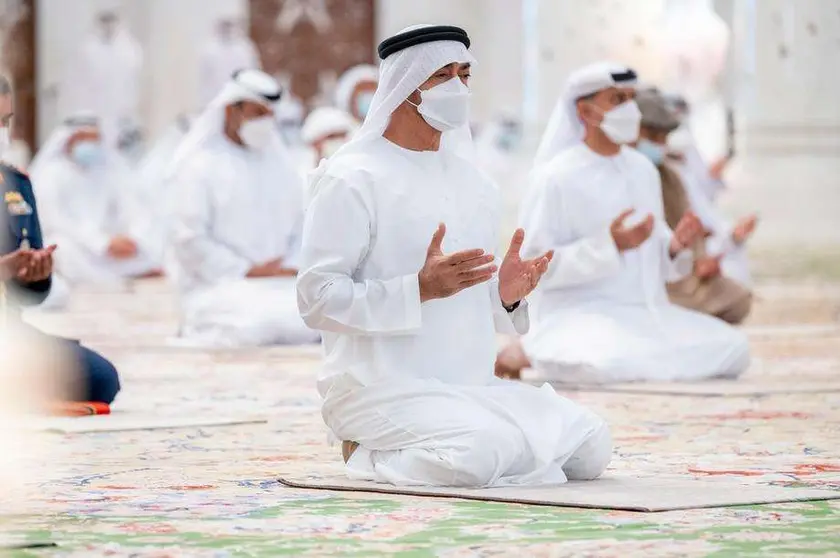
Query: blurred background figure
[228, 50]
[104, 78]
[708, 288]
[354, 90]
[236, 222]
[89, 207]
[324, 132]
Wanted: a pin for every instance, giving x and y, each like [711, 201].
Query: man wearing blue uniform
[26, 266]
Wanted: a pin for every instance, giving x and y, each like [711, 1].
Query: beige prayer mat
[710, 388]
[130, 421]
[793, 330]
[654, 494]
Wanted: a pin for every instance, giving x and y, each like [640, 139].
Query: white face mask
[445, 106]
[5, 140]
[256, 133]
[622, 123]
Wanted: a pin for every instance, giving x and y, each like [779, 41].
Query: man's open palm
[518, 277]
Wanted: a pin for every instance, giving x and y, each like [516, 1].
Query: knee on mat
[482, 461]
[102, 379]
[593, 456]
[739, 310]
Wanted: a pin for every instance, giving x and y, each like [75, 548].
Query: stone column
[788, 121]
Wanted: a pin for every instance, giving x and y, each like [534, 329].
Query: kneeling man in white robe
[397, 271]
[237, 211]
[603, 313]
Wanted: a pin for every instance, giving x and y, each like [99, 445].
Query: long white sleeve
[337, 234]
[517, 322]
[577, 260]
[196, 251]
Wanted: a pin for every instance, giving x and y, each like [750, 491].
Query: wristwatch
[512, 307]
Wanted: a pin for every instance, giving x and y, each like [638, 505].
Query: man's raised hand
[629, 238]
[444, 275]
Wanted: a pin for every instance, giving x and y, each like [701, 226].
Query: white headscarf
[399, 76]
[348, 82]
[325, 121]
[247, 85]
[54, 148]
[565, 128]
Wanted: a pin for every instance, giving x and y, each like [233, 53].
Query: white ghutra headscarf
[245, 85]
[565, 128]
[400, 74]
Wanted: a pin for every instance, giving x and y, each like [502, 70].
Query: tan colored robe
[718, 296]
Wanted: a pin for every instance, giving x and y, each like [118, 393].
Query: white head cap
[53, 148]
[565, 128]
[349, 80]
[326, 121]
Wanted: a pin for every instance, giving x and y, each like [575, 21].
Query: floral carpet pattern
[212, 492]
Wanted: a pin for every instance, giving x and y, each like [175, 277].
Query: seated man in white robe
[88, 208]
[324, 132]
[603, 311]
[397, 271]
[354, 90]
[237, 210]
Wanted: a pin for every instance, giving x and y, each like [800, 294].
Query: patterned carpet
[213, 492]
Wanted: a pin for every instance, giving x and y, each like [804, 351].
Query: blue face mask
[653, 151]
[87, 153]
[363, 101]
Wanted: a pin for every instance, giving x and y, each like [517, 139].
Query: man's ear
[584, 110]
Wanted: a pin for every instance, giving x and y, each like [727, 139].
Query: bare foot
[348, 449]
[510, 361]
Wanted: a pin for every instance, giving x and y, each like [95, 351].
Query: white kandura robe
[82, 211]
[230, 213]
[220, 58]
[153, 193]
[414, 383]
[604, 316]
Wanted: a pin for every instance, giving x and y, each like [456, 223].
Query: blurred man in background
[236, 217]
[26, 267]
[324, 132]
[354, 90]
[707, 289]
[603, 310]
[103, 78]
[228, 50]
[90, 207]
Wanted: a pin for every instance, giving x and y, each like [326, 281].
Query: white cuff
[413, 306]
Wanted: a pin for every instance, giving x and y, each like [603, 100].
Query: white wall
[170, 31]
